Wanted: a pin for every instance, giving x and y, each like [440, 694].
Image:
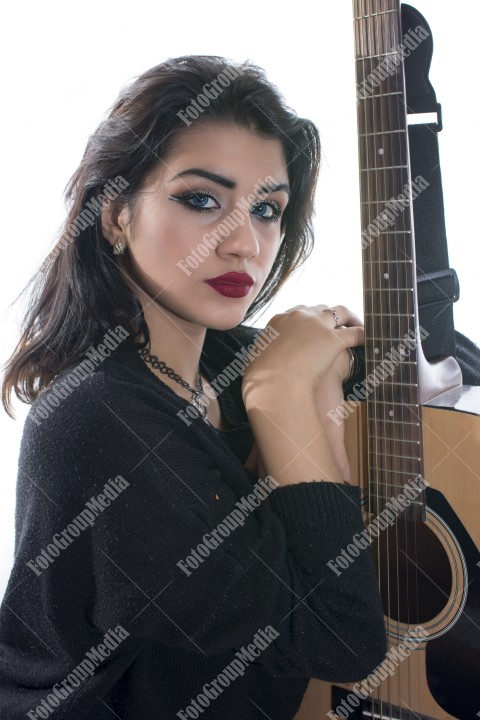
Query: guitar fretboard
[388, 255]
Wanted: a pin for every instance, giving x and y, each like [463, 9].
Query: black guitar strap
[437, 283]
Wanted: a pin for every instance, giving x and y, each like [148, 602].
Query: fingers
[340, 320]
[341, 315]
[351, 336]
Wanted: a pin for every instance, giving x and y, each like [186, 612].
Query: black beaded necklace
[198, 396]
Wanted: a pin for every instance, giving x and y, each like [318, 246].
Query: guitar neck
[388, 252]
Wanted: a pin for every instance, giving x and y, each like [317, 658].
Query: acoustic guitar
[418, 427]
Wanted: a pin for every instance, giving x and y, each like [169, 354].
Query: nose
[238, 237]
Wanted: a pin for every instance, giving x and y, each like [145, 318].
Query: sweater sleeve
[167, 557]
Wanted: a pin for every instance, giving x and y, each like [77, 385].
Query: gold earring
[118, 248]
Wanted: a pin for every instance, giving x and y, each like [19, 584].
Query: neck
[174, 340]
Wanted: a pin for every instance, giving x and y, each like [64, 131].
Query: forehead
[229, 149]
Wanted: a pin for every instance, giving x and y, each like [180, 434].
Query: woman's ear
[115, 223]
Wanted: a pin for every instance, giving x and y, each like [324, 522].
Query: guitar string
[379, 192]
[392, 248]
[410, 528]
[401, 285]
[394, 331]
[365, 50]
[369, 51]
[377, 46]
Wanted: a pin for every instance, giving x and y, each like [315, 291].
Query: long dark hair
[79, 293]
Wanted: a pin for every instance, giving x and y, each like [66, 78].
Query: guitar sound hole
[414, 572]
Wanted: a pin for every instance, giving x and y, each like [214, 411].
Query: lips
[233, 278]
[232, 284]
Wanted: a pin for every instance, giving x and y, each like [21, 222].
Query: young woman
[181, 488]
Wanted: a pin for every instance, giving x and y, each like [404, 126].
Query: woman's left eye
[269, 210]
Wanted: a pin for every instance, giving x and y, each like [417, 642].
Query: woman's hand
[309, 343]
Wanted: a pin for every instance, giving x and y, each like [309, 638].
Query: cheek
[270, 250]
[160, 239]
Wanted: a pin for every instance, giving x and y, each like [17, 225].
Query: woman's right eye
[197, 201]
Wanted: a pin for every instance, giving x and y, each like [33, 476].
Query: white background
[64, 63]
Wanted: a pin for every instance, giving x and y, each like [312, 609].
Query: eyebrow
[226, 182]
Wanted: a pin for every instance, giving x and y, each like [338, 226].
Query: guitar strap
[437, 283]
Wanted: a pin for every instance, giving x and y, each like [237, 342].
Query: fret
[400, 404]
[377, 95]
[379, 202]
[390, 290]
[373, 57]
[403, 440]
[403, 422]
[384, 12]
[389, 497]
[382, 132]
[396, 472]
[400, 457]
[404, 362]
[389, 339]
[392, 232]
[387, 167]
[384, 314]
[402, 384]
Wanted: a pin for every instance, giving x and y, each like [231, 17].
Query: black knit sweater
[135, 595]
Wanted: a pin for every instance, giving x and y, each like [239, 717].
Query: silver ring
[351, 355]
[335, 316]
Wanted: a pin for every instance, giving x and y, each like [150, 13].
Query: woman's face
[188, 228]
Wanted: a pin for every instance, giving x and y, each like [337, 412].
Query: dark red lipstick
[232, 284]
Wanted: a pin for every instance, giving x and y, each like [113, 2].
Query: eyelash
[190, 195]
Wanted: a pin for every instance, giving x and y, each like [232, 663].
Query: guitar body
[431, 577]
